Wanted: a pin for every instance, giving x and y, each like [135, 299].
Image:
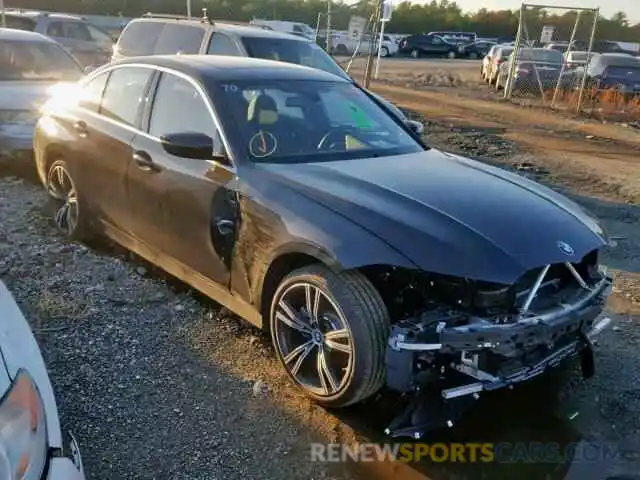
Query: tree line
[407, 18]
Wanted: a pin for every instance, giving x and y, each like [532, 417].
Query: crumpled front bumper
[561, 332]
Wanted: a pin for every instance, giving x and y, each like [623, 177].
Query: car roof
[37, 13]
[244, 30]
[618, 60]
[23, 36]
[201, 67]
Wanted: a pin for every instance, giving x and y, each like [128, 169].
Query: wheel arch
[296, 255]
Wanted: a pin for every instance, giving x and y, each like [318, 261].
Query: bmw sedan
[291, 197]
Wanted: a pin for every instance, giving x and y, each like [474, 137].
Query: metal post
[315, 38]
[596, 15]
[564, 64]
[329, 46]
[380, 48]
[2, 12]
[512, 68]
[369, 66]
[189, 8]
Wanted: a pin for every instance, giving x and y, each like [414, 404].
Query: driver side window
[178, 107]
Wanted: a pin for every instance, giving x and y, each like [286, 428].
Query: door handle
[144, 161]
[82, 129]
[225, 227]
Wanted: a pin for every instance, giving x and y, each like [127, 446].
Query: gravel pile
[142, 397]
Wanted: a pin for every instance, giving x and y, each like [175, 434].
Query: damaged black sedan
[295, 199]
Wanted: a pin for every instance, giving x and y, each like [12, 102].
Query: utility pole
[329, 27]
[372, 51]
[4, 18]
[188, 8]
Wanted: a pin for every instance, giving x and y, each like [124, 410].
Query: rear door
[105, 131]
[183, 207]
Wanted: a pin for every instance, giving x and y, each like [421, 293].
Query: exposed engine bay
[467, 336]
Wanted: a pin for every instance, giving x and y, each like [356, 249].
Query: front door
[186, 208]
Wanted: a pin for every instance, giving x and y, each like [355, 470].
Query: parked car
[498, 57]
[575, 59]
[535, 69]
[477, 49]
[91, 45]
[291, 197]
[293, 28]
[457, 38]
[168, 34]
[30, 65]
[345, 45]
[602, 46]
[31, 442]
[424, 45]
[562, 47]
[607, 71]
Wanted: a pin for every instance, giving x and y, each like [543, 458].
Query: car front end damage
[466, 337]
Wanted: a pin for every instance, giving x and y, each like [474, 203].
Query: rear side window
[20, 23]
[139, 38]
[124, 93]
[179, 39]
[221, 44]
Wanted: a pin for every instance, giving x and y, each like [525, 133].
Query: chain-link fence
[550, 62]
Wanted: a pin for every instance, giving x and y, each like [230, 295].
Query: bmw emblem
[565, 248]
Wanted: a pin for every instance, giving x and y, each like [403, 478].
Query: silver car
[31, 441]
[30, 65]
[91, 45]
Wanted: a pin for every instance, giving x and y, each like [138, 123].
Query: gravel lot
[157, 382]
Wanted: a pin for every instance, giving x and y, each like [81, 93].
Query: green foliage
[408, 17]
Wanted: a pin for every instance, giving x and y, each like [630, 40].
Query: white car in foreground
[31, 442]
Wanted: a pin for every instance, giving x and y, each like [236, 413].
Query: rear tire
[415, 53]
[342, 50]
[451, 55]
[330, 332]
[384, 51]
[71, 216]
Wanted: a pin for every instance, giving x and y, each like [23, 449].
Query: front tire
[330, 331]
[70, 216]
[384, 51]
[451, 55]
[415, 53]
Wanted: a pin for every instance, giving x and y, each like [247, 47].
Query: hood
[450, 215]
[19, 95]
[19, 350]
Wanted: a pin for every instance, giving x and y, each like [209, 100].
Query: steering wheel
[336, 138]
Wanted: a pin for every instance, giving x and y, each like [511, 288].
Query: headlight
[17, 117]
[23, 431]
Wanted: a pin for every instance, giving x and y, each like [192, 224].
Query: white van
[295, 28]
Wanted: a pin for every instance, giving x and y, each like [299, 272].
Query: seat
[262, 111]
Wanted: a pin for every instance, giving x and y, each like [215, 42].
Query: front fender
[277, 221]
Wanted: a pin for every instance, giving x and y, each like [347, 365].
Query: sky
[607, 7]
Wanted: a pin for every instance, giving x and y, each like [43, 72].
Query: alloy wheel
[61, 187]
[313, 339]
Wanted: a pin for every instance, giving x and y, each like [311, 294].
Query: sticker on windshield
[360, 118]
[262, 144]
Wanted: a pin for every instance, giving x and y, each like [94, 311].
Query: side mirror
[416, 127]
[197, 146]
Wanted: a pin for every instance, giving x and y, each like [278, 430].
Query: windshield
[40, 61]
[293, 51]
[302, 121]
[540, 55]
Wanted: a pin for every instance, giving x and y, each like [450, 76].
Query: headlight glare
[23, 432]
